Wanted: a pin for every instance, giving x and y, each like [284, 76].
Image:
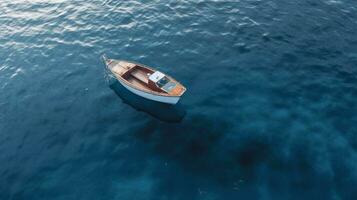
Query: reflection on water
[161, 111]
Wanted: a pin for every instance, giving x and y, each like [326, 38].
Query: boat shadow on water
[161, 111]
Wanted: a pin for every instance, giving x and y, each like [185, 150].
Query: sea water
[270, 109]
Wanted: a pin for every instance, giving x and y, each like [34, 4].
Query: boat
[145, 81]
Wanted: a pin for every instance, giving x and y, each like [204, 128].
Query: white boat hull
[159, 98]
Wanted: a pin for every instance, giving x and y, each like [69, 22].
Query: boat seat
[140, 75]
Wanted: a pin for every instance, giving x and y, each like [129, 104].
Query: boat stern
[179, 90]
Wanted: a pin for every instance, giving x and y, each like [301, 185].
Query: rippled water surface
[270, 111]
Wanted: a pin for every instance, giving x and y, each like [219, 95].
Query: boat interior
[139, 77]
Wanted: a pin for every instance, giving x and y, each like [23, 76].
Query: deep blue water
[270, 111]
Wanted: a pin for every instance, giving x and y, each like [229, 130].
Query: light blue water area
[270, 110]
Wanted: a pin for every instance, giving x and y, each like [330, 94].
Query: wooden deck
[178, 90]
[137, 83]
[140, 75]
[121, 68]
